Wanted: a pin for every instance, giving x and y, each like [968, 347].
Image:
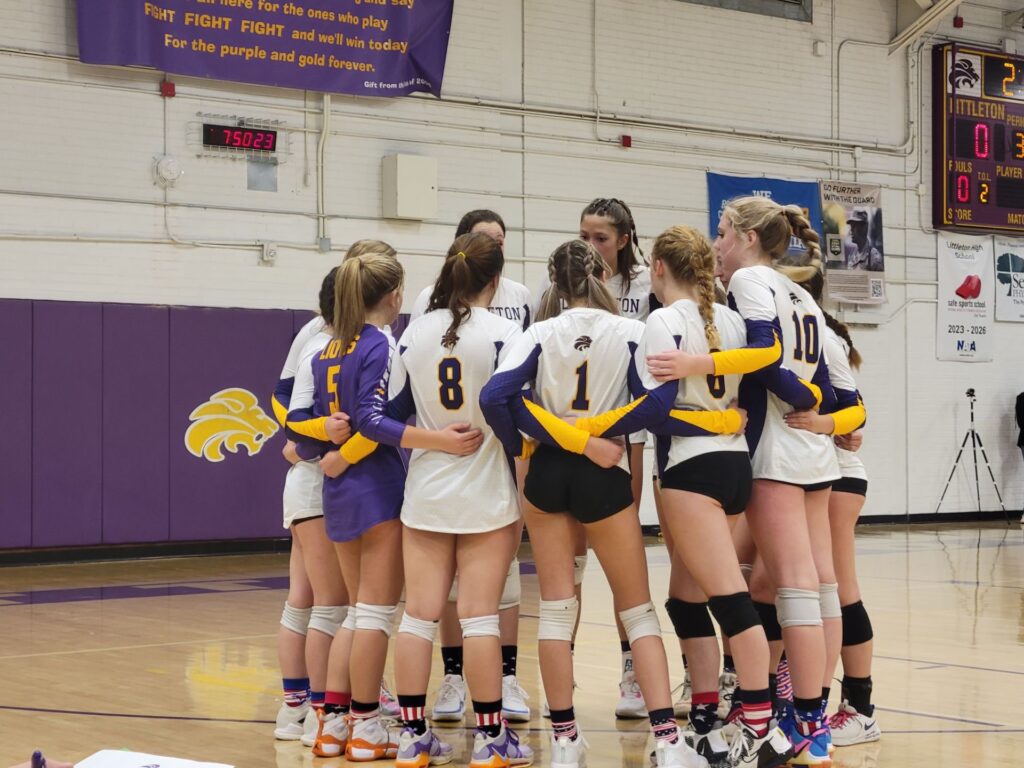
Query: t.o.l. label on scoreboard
[978, 138]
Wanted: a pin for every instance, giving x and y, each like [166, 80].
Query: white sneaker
[769, 751]
[712, 746]
[370, 739]
[568, 753]
[850, 727]
[631, 704]
[289, 722]
[310, 727]
[683, 703]
[678, 755]
[388, 703]
[727, 682]
[450, 705]
[332, 735]
[513, 700]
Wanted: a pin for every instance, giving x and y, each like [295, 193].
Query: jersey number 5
[449, 375]
[807, 344]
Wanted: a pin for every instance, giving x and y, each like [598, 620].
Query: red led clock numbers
[234, 137]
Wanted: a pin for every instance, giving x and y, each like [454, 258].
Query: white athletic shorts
[303, 492]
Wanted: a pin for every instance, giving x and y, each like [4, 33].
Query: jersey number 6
[449, 374]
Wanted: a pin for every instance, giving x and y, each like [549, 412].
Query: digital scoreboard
[978, 139]
[239, 137]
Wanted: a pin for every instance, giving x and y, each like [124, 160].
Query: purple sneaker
[415, 751]
[499, 751]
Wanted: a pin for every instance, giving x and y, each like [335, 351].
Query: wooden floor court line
[198, 640]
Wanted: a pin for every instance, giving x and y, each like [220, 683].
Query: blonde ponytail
[688, 257]
[361, 283]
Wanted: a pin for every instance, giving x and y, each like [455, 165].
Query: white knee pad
[328, 618]
[579, 565]
[513, 592]
[798, 607]
[640, 621]
[350, 619]
[427, 630]
[828, 596]
[557, 619]
[375, 617]
[453, 593]
[480, 626]
[295, 619]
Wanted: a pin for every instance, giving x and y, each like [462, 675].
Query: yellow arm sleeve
[566, 436]
[315, 428]
[357, 448]
[599, 424]
[727, 422]
[850, 419]
[816, 391]
[280, 412]
[746, 360]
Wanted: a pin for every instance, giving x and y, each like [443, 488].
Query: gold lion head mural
[229, 419]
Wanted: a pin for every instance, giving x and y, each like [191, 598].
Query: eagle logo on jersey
[583, 342]
[794, 298]
[230, 419]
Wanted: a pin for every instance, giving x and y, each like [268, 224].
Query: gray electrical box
[409, 186]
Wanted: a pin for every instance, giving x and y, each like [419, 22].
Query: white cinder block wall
[698, 88]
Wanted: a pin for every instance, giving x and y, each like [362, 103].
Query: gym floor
[177, 656]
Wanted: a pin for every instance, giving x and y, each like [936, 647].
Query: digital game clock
[977, 139]
[239, 137]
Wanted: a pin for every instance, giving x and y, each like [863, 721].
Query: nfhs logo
[583, 342]
[229, 419]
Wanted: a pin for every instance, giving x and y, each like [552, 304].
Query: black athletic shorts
[856, 485]
[560, 481]
[724, 476]
[808, 487]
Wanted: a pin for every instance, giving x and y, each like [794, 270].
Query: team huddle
[536, 410]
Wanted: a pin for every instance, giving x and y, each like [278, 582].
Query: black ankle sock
[414, 712]
[624, 646]
[364, 707]
[703, 718]
[728, 665]
[508, 659]
[452, 657]
[824, 696]
[857, 691]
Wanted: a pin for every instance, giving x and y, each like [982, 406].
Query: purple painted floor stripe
[134, 591]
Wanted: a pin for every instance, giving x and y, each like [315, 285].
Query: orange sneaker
[369, 739]
[332, 735]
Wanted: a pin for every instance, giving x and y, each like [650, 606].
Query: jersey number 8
[449, 375]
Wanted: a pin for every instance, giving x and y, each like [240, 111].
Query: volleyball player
[704, 478]
[444, 359]
[511, 301]
[854, 723]
[793, 469]
[608, 225]
[317, 602]
[578, 362]
[362, 506]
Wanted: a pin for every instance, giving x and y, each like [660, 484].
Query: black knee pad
[734, 613]
[856, 624]
[769, 620]
[689, 620]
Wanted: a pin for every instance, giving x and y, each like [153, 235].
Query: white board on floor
[114, 758]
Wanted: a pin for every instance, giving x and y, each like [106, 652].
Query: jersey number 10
[807, 344]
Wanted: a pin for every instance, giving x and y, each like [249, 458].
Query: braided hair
[576, 271]
[688, 257]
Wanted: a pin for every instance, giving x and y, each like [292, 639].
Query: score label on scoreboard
[978, 139]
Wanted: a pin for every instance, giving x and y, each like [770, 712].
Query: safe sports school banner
[361, 47]
[854, 251]
[723, 188]
[1009, 280]
[964, 316]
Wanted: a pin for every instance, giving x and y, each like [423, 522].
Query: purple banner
[360, 47]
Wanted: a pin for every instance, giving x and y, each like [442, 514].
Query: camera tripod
[975, 438]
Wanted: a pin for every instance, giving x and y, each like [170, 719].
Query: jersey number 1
[582, 402]
[807, 345]
[449, 375]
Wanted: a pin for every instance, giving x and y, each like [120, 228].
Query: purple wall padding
[212, 350]
[16, 416]
[136, 389]
[299, 318]
[67, 421]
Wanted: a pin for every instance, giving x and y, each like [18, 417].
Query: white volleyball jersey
[511, 301]
[446, 493]
[582, 359]
[680, 326]
[307, 332]
[634, 302]
[840, 374]
[762, 294]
